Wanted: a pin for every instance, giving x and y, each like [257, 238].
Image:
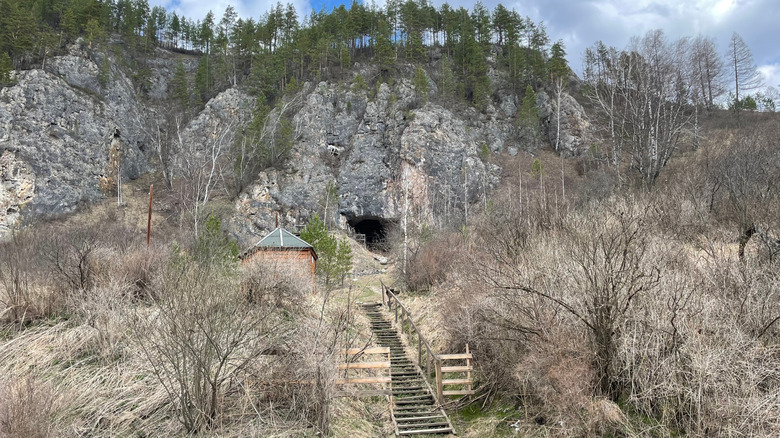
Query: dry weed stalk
[26, 407]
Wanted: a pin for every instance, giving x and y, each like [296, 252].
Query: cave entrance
[375, 229]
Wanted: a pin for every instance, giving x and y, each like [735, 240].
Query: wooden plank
[460, 392]
[363, 365]
[455, 356]
[456, 382]
[468, 373]
[427, 417]
[439, 388]
[458, 369]
[426, 431]
[374, 350]
[384, 379]
[363, 393]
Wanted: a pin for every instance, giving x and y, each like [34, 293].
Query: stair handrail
[393, 303]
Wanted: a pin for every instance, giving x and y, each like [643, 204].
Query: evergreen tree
[421, 87]
[104, 72]
[528, 116]
[446, 78]
[334, 257]
[202, 80]
[343, 259]
[180, 89]
[6, 68]
[213, 247]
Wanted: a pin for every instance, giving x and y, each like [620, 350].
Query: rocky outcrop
[386, 153]
[60, 122]
[17, 187]
[575, 130]
[385, 150]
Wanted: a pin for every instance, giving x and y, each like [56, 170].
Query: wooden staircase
[414, 408]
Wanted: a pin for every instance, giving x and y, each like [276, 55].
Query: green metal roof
[281, 238]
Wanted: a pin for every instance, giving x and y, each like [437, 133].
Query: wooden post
[468, 371]
[439, 386]
[419, 350]
[149, 221]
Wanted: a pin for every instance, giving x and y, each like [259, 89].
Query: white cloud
[771, 73]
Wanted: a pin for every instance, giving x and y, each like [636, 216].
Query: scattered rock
[381, 259]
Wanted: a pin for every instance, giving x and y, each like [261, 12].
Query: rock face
[386, 153]
[17, 187]
[575, 129]
[60, 122]
[383, 150]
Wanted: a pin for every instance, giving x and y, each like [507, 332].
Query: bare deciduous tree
[744, 71]
[644, 94]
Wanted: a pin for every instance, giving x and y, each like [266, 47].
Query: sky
[580, 23]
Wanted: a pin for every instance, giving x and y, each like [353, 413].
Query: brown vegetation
[169, 339]
[657, 304]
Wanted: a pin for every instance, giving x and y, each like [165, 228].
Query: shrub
[428, 266]
[26, 407]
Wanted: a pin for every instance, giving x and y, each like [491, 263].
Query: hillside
[607, 247]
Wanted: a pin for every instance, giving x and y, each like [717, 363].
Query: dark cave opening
[375, 229]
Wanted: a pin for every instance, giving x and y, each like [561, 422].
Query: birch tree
[644, 93]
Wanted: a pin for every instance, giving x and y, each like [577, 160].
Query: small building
[284, 251]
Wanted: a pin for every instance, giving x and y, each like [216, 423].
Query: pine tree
[180, 89]
[421, 87]
[343, 259]
[528, 116]
[559, 74]
[331, 259]
[202, 80]
[6, 68]
[446, 78]
[104, 72]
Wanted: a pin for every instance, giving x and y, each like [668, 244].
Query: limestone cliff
[58, 124]
[386, 149]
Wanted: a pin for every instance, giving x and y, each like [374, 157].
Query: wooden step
[421, 418]
[424, 431]
[408, 389]
[413, 400]
[426, 425]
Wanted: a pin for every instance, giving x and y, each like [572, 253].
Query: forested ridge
[280, 47]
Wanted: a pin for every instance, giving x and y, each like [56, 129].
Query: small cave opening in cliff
[375, 229]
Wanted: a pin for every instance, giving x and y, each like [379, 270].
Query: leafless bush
[107, 309]
[274, 282]
[26, 407]
[429, 264]
[307, 371]
[23, 293]
[68, 256]
[202, 332]
[140, 267]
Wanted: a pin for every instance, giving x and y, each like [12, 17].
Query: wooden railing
[354, 370]
[427, 360]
